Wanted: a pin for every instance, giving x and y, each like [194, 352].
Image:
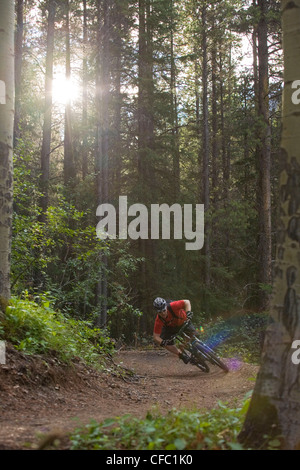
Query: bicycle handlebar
[185, 324]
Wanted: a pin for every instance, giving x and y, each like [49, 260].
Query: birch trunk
[275, 406]
[6, 142]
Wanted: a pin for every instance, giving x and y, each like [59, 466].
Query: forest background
[164, 102]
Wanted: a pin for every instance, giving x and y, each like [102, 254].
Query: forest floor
[41, 397]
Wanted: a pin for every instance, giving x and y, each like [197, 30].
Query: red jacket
[171, 320]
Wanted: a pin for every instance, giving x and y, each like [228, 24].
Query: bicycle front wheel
[211, 356]
[199, 361]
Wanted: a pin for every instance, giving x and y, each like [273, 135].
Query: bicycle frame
[196, 347]
[183, 337]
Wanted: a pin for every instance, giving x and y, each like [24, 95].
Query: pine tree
[46, 140]
[18, 67]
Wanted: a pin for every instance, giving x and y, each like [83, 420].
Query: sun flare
[64, 90]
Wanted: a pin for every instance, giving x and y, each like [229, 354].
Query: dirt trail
[37, 398]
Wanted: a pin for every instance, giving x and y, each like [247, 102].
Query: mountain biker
[170, 317]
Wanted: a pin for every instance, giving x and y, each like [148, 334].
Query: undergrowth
[216, 429]
[35, 328]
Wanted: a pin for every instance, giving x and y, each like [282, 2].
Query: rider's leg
[180, 354]
[173, 349]
[167, 333]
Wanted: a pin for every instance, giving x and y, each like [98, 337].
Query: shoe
[184, 357]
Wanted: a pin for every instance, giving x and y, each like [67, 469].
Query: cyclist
[169, 319]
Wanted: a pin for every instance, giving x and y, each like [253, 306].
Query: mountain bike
[197, 350]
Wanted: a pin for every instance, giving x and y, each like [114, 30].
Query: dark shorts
[168, 331]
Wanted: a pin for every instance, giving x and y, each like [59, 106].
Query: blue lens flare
[217, 339]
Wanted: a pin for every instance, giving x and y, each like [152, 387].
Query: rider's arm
[187, 306]
[157, 338]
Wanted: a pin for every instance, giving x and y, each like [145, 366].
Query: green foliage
[123, 322]
[63, 257]
[57, 255]
[35, 328]
[2, 333]
[216, 429]
[123, 317]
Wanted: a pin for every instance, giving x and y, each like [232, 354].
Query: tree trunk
[69, 168]
[145, 98]
[18, 68]
[117, 116]
[6, 143]
[215, 143]
[264, 157]
[102, 85]
[175, 138]
[205, 142]
[84, 152]
[46, 143]
[275, 406]
[145, 148]
[255, 61]
[174, 116]
[222, 125]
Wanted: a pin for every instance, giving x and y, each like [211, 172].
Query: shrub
[35, 328]
[216, 429]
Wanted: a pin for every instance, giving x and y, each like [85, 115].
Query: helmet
[160, 304]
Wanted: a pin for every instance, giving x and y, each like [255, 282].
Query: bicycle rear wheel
[211, 356]
[197, 359]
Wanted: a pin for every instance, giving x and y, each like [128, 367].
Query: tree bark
[117, 108]
[84, 152]
[69, 167]
[215, 143]
[145, 169]
[205, 142]
[18, 67]
[7, 85]
[174, 115]
[102, 141]
[46, 143]
[255, 61]
[264, 157]
[275, 406]
[145, 97]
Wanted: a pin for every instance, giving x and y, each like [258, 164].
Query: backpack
[170, 310]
